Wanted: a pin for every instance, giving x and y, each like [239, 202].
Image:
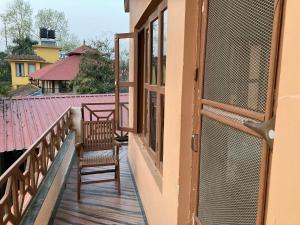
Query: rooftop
[24, 119]
[25, 58]
[66, 69]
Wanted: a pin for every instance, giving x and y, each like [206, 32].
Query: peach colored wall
[284, 186]
[160, 193]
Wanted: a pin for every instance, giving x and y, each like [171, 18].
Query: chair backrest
[98, 135]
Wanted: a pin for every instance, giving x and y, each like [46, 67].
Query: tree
[4, 68]
[96, 71]
[69, 43]
[54, 20]
[22, 46]
[17, 19]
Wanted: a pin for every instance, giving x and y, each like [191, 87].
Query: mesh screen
[229, 175]
[238, 52]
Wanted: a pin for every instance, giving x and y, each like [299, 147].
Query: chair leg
[78, 183]
[118, 178]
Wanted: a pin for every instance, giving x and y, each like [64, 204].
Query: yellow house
[23, 65]
[49, 53]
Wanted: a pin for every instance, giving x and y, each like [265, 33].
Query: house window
[20, 69]
[154, 55]
[164, 45]
[31, 68]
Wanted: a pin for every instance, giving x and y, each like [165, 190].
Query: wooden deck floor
[100, 203]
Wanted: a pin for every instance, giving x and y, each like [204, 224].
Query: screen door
[237, 61]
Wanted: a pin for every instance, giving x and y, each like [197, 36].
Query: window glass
[154, 67]
[153, 105]
[20, 69]
[164, 45]
[31, 68]
[124, 59]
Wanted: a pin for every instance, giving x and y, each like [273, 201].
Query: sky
[88, 19]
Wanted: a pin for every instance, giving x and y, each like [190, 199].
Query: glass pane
[123, 107]
[145, 113]
[154, 67]
[230, 163]
[164, 45]
[124, 59]
[20, 69]
[147, 57]
[162, 108]
[153, 105]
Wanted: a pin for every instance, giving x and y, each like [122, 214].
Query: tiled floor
[100, 203]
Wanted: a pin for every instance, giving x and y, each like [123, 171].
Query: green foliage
[96, 73]
[5, 90]
[22, 46]
[17, 19]
[4, 68]
[69, 42]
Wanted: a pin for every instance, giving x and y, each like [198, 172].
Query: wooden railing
[104, 111]
[19, 184]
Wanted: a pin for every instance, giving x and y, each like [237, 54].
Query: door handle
[265, 129]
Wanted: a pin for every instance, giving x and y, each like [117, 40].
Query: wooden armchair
[98, 149]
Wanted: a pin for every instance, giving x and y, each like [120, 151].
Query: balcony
[40, 187]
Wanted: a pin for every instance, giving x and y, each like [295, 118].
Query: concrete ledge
[43, 204]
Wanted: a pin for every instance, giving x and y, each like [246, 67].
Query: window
[20, 69]
[154, 90]
[149, 49]
[31, 68]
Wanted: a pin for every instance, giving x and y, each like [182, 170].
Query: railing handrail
[21, 181]
[21, 159]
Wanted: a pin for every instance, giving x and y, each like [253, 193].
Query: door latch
[194, 142]
[265, 129]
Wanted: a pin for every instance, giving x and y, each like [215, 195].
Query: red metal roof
[65, 69]
[24, 119]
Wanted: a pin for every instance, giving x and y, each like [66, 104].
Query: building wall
[16, 81]
[166, 197]
[50, 54]
[284, 184]
[160, 193]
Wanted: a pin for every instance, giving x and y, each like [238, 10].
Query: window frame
[158, 88]
[23, 70]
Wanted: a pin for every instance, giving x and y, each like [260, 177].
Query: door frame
[199, 101]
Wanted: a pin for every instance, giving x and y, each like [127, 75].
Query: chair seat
[98, 158]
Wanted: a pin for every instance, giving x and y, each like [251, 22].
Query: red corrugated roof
[23, 120]
[65, 69]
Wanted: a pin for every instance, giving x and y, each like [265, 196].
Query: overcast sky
[88, 19]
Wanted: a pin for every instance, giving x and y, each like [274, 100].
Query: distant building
[55, 78]
[23, 65]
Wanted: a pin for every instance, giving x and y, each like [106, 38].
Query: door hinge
[194, 142]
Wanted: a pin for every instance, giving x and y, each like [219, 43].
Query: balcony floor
[100, 203]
